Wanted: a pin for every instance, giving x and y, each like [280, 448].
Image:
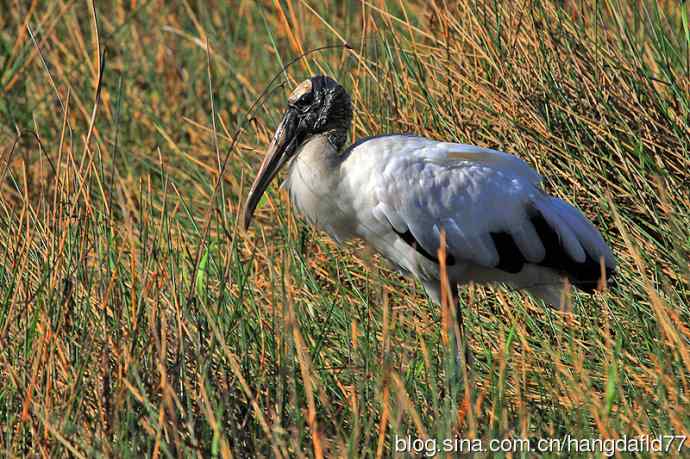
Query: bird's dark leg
[464, 353]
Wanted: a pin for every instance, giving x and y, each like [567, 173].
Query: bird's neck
[337, 138]
[313, 182]
[319, 156]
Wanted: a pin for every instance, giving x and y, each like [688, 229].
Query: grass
[137, 318]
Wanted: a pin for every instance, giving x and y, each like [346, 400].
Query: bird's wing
[478, 197]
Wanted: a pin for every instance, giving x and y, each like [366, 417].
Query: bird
[406, 195]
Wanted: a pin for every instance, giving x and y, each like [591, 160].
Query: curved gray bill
[279, 152]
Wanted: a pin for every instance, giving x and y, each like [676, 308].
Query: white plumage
[389, 185]
[398, 193]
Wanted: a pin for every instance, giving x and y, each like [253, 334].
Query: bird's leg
[464, 353]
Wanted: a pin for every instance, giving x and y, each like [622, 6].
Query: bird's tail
[573, 245]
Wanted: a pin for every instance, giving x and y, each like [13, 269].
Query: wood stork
[399, 192]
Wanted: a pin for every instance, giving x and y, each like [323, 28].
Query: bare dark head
[322, 106]
[318, 105]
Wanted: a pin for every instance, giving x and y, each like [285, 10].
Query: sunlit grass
[137, 318]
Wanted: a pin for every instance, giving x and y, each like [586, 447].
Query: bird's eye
[306, 99]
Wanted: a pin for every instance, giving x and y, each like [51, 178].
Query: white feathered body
[392, 190]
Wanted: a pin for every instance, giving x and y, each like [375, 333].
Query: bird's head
[318, 105]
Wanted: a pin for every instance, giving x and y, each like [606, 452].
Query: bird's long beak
[282, 148]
